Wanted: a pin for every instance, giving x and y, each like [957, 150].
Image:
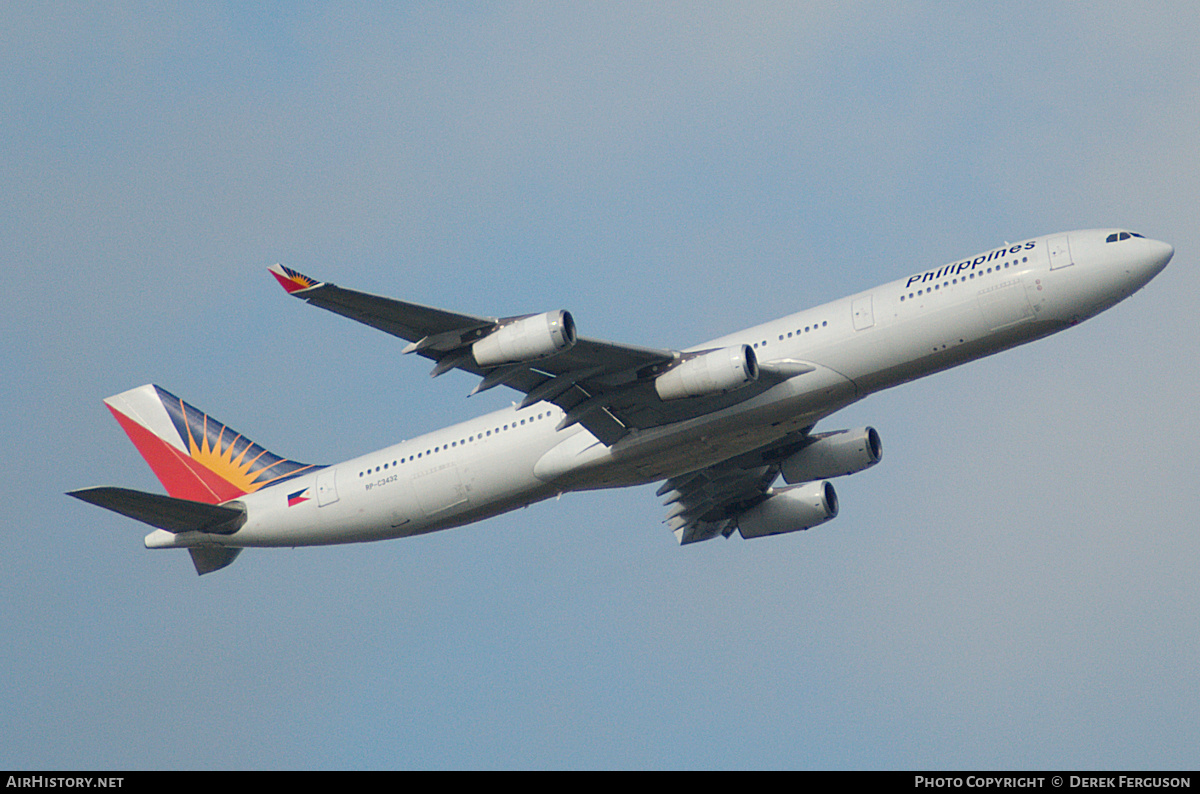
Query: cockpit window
[1112, 238]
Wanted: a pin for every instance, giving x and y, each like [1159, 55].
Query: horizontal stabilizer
[166, 512]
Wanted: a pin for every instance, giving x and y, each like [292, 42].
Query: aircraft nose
[1166, 251]
[1160, 255]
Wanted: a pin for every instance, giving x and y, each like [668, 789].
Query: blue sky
[1014, 586]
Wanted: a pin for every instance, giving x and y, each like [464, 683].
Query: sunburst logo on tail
[231, 463]
[225, 452]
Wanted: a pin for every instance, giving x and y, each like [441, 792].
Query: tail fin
[194, 456]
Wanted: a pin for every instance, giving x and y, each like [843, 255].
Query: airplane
[717, 423]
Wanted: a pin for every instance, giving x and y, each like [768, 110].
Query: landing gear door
[1060, 252]
[326, 486]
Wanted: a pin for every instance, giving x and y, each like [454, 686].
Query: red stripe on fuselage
[183, 477]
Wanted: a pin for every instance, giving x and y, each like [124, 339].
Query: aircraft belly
[644, 456]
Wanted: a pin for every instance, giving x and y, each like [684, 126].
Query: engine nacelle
[833, 455]
[790, 510]
[527, 339]
[714, 372]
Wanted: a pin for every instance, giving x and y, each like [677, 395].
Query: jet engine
[790, 510]
[527, 339]
[714, 372]
[833, 455]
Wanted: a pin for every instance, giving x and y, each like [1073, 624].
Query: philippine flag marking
[298, 497]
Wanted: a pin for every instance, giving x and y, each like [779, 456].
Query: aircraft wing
[605, 386]
[704, 504]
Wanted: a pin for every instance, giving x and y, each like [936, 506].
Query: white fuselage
[917, 325]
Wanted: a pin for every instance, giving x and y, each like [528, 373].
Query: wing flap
[706, 503]
[703, 505]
